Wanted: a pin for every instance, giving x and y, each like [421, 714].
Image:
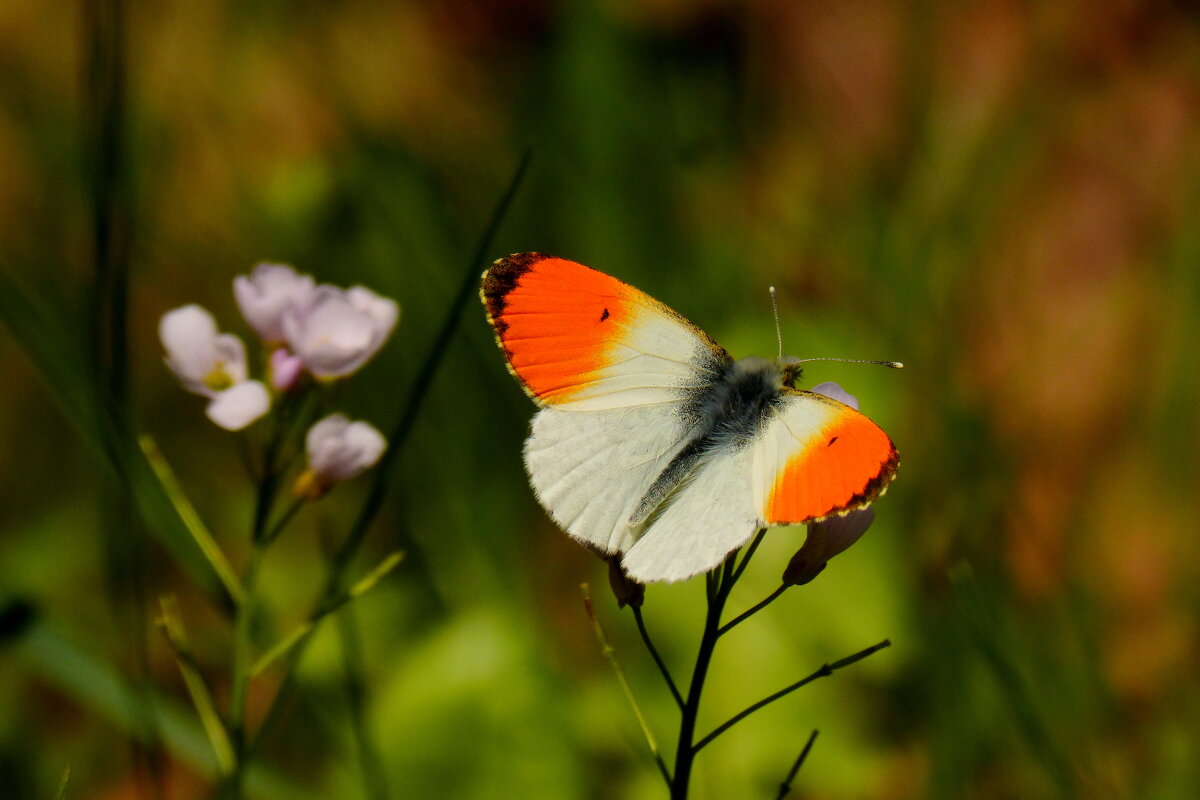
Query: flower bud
[824, 540]
[627, 591]
[338, 450]
[285, 370]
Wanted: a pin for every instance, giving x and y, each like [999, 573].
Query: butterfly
[654, 444]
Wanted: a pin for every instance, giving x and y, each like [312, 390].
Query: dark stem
[718, 587]
[759, 606]
[824, 672]
[758, 537]
[104, 77]
[424, 380]
[786, 786]
[662, 667]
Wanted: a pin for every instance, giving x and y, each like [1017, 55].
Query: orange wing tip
[500, 279]
[556, 321]
[812, 487]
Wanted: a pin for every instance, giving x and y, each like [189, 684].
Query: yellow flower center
[218, 380]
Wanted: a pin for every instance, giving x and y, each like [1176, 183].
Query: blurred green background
[1003, 195]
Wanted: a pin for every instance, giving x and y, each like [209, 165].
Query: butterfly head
[789, 371]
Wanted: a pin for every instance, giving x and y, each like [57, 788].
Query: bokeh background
[1003, 195]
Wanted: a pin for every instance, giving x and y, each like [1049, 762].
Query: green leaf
[66, 375]
[96, 686]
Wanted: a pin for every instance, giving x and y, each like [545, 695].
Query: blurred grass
[1000, 195]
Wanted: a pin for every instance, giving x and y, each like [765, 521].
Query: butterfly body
[652, 442]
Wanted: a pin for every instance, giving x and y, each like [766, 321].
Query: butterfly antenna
[892, 364]
[775, 310]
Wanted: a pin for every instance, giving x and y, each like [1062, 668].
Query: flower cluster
[308, 330]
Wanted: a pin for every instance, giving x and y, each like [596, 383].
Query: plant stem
[374, 777]
[243, 628]
[824, 672]
[662, 667]
[399, 435]
[718, 588]
[759, 606]
[261, 538]
[609, 654]
[786, 786]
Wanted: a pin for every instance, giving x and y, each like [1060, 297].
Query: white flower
[238, 406]
[267, 294]
[338, 450]
[212, 364]
[337, 331]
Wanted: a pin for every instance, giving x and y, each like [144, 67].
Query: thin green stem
[610, 655]
[281, 522]
[754, 609]
[374, 778]
[824, 672]
[786, 786]
[242, 635]
[662, 667]
[260, 540]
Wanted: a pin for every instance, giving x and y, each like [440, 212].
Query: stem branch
[662, 667]
[824, 672]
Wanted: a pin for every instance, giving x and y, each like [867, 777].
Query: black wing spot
[604, 315]
[831, 441]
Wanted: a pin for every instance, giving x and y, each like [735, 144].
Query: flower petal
[268, 293]
[831, 389]
[337, 331]
[189, 335]
[236, 407]
[383, 311]
[339, 449]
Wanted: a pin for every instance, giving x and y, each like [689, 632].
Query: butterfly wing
[812, 457]
[710, 515]
[614, 370]
[579, 339]
[817, 457]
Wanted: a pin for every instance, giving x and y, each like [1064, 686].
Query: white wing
[712, 514]
[589, 469]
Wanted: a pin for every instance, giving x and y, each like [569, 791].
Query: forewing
[816, 457]
[579, 339]
[590, 469]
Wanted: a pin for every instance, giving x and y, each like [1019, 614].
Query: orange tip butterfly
[651, 441]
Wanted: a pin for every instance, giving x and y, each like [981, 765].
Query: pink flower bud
[285, 370]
